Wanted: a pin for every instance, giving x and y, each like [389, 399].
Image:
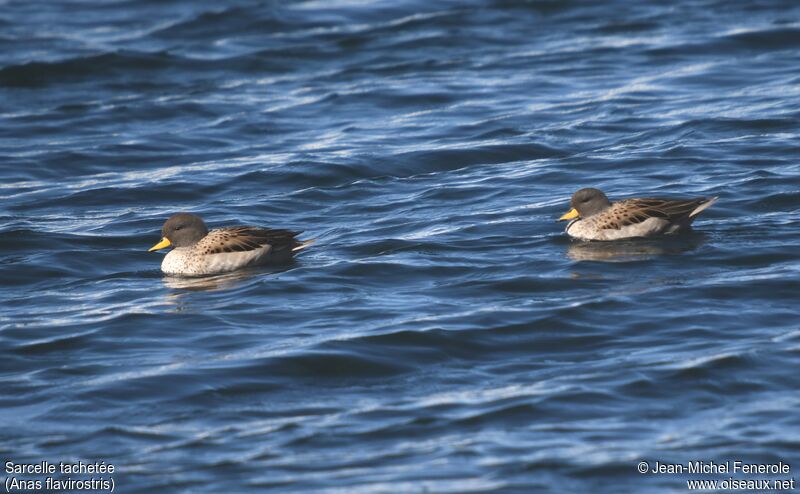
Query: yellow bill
[161, 245]
[571, 214]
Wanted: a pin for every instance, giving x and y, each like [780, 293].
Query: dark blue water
[442, 335]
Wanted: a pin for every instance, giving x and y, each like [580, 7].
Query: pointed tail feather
[699, 209]
[303, 245]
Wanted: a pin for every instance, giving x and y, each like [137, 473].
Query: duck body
[227, 249]
[199, 252]
[594, 217]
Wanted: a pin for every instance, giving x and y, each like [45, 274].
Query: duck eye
[178, 227]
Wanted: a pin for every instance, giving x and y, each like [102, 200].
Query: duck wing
[633, 211]
[249, 238]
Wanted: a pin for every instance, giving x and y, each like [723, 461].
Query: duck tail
[702, 207]
[302, 245]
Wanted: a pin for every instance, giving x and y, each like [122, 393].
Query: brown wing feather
[641, 209]
[247, 238]
[620, 215]
[673, 210]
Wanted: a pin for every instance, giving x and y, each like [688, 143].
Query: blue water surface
[442, 334]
